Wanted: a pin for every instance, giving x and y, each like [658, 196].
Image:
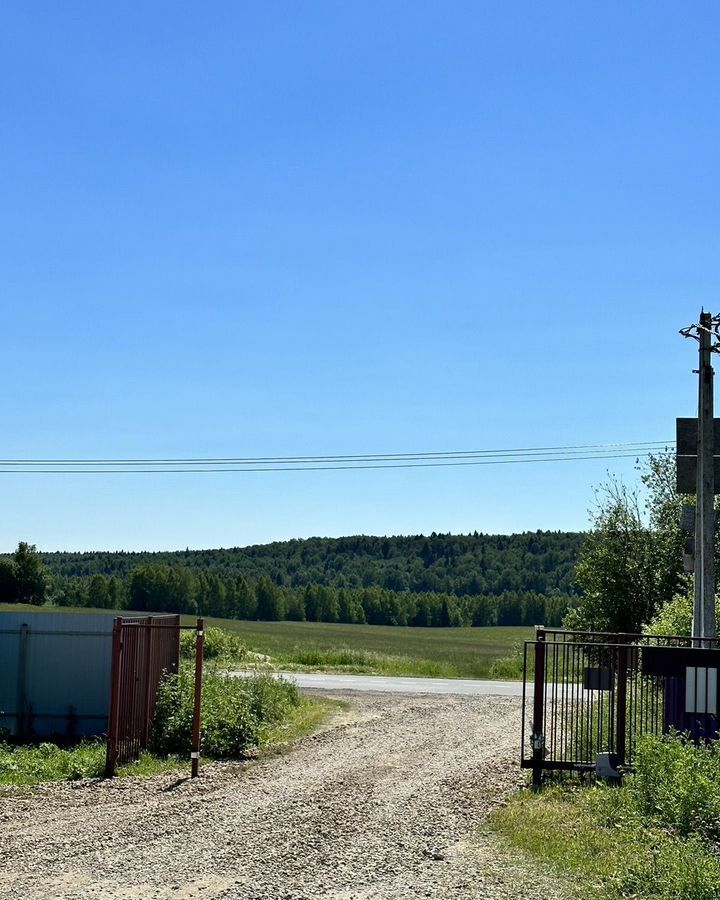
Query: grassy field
[382, 649]
[377, 649]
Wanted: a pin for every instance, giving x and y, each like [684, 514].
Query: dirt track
[387, 803]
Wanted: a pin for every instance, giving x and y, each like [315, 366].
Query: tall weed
[676, 785]
[234, 712]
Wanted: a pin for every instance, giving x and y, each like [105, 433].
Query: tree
[270, 606]
[245, 601]
[98, 592]
[630, 564]
[31, 575]
[8, 581]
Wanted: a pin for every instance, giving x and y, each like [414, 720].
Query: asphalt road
[466, 687]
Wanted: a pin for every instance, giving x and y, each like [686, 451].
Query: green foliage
[48, 762]
[8, 582]
[589, 838]
[630, 565]
[234, 712]
[540, 562]
[162, 588]
[658, 836]
[675, 616]
[218, 643]
[438, 581]
[31, 575]
[676, 785]
[270, 606]
[24, 578]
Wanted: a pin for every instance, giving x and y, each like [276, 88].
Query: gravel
[389, 801]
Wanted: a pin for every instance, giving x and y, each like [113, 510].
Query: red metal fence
[143, 649]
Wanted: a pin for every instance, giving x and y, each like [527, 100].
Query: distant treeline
[540, 562]
[440, 580]
[163, 588]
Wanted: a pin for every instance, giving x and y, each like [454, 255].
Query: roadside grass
[308, 716]
[655, 837]
[37, 763]
[271, 716]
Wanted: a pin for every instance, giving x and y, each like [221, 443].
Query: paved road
[396, 685]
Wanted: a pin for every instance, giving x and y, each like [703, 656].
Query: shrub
[234, 712]
[674, 617]
[217, 644]
[48, 762]
[676, 785]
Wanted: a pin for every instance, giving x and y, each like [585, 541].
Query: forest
[435, 580]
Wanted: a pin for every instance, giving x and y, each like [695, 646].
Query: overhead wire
[427, 459]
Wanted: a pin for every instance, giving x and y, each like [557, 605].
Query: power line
[569, 451]
[319, 464]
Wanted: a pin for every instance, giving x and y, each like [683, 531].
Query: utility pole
[703, 626]
[705, 525]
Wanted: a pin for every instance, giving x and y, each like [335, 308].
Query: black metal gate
[588, 697]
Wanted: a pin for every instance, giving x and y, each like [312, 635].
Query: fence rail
[594, 695]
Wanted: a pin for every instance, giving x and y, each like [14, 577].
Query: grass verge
[655, 837]
[34, 764]
[37, 763]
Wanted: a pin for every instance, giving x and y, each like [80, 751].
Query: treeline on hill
[541, 562]
[491, 580]
[162, 588]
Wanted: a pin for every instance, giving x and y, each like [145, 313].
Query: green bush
[676, 785]
[217, 644]
[674, 617]
[234, 712]
[28, 764]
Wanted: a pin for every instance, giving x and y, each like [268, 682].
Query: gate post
[621, 719]
[114, 706]
[538, 737]
[195, 752]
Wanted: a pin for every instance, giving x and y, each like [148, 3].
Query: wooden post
[195, 753]
[114, 705]
[538, 736]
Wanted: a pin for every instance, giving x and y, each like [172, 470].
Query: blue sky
[322, 228]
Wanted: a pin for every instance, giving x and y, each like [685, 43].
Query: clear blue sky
[293, 228]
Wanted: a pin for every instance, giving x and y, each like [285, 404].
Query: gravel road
[388, 802]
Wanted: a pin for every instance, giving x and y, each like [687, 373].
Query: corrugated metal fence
[54, 674]
[143, 650]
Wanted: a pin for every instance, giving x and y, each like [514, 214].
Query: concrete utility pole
[706, 334]
[704, 618]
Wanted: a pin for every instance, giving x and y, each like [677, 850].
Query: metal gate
[588, 696]
[142, 650]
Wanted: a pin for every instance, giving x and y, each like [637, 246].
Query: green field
[384, 649]
[375, 649]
